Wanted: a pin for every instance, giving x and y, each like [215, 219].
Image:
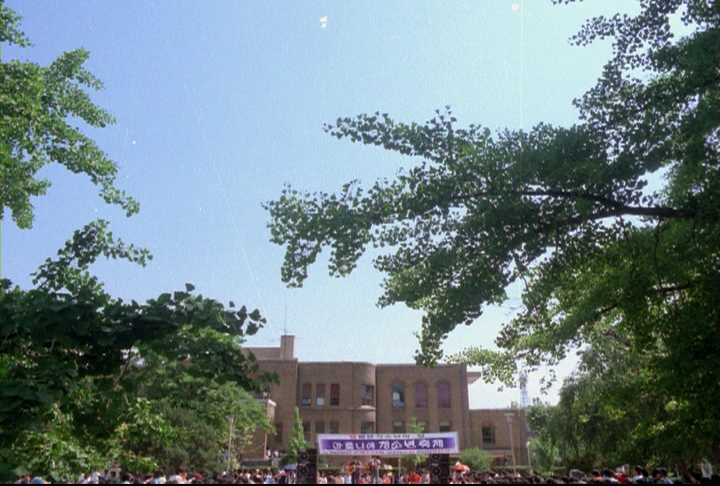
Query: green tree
[37, 105]
[547, 428]
[74, 361]
[296, 441]
[567, 213]
[197, 409]
[476, 459]
[612, 411]
[70, 352]
[415, 428]
[544, 454]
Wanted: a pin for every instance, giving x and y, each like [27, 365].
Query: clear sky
[220, 103]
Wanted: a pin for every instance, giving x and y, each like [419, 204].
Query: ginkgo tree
[38, 105]
[565, 212]
[77, 364]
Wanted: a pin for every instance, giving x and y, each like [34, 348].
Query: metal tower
[524, 397]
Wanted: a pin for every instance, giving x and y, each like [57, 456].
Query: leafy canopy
[476, 459]
[604, 258]
[197, 410]
[86, 379]
[39, 106]
[71, 354]
[481, 210]
[296, 441]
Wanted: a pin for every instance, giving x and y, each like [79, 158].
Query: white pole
[229, 449]
[509, 417]
[529, 460]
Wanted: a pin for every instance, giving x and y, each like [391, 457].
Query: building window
[306, 431]
[306, 400]
[334, 427]
[421, 395]
[320, 395]
[443, 395]
[334, 394]
[367, 427]
[488, 434]
[319, 428]
[278, 433]
[367, 395]
[398, 395]
[398, 427]
[422, 424]
[445, 426]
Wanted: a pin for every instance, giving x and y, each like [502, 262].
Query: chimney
[287, 346]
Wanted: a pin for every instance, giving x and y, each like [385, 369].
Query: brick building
[365, 398]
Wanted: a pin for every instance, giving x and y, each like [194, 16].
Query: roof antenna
[285, 320]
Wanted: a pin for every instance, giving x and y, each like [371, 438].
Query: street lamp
[509, 418]
[229, 450]
[529, 461]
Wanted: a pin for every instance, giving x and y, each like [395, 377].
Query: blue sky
[220, 103]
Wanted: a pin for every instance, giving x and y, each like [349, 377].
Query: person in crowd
[608, 477]
[375, 465]
[24, 479]
[415, 478]
[355, 470]
[180, 476]
[159, 477]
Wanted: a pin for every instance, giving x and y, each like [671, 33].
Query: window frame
[443, 395]
[488, 438]
[335, 394]
[424, 395]
[367, 395]
[320, 395]
[306, 395]
[400, 402]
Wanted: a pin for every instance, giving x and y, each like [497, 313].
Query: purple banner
[387, 444]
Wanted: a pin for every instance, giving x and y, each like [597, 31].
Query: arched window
[398, 395]
[421, 395]
[443, 395]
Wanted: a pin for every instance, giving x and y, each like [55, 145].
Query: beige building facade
[366, 398]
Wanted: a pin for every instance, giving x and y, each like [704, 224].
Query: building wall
[284, 395]
[350, 412]
[433, 414]
[375, 412]
[497, 444]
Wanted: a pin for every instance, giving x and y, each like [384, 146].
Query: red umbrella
[460, 467]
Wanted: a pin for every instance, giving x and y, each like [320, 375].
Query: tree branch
[618, 208]
[545, 193]
[674, 288]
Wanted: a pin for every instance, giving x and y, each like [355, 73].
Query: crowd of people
[181, 476]
[356, 472]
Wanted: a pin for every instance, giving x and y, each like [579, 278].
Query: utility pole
[509, 418]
